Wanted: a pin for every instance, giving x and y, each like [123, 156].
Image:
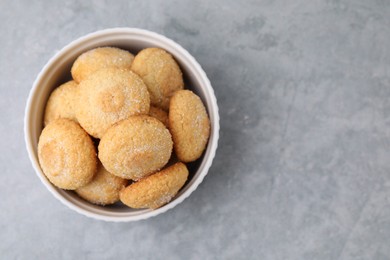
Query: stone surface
[303, 165]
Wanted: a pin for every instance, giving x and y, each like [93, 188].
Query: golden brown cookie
[103, 189]
[159, 114]
[156, 190]
[160, 73]
[61, 103]
[66, 154]
[135, 147]
[108, 96]
[100, 58]
[189, 125]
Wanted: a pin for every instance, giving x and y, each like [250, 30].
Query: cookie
[159, 114]
[135, 147]
[108, 96]
[103, 189]
[61, 103]
[189, 125]
[100, 58]
[66, 154]
[160, 73]
[156, 190]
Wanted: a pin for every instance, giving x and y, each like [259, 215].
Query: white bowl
[57, 71]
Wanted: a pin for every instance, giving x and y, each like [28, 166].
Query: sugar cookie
[159, 114]
[189, 125]
[160, 73]
[155, 190]
[135, 147]
[61, 103]
[108, 96]
[100, 58]
[66, 154]
[103, 189]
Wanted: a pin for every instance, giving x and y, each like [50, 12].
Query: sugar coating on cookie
[135, 147]
[160, 73]
[66, 154]
[155, 190]
[108, 96]
[189, 125]
[61, 103]
[159, 114]
[100, 58]
[103, 189]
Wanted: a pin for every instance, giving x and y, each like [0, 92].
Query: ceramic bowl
[57, 71]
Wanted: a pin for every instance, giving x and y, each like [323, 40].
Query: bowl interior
[57, 71]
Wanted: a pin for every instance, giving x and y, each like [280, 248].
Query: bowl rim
[207, 161]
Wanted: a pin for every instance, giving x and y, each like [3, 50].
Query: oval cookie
[156, 190]
[100, 58]
[103, 189]
[61, 103]
[160, 73]
[66, 154]
[189, 125]
[108, 96]
[135, 147]
[159, 114]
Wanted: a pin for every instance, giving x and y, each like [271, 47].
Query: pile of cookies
[123, 128]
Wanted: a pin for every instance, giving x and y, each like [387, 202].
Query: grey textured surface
[303, 166]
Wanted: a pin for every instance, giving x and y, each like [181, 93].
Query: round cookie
[103, 189]
[160, 73]
[61, 103]
[100, 58]
[159, 114]
[66, 154]
[189, 125]
[108, 96]
[156, 190]
[135, 147]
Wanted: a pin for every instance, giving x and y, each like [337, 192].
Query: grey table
[303, 166]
